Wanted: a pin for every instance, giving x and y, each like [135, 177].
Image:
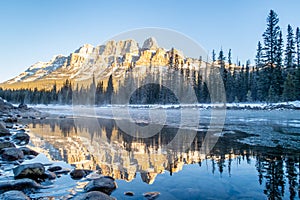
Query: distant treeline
[274, 77]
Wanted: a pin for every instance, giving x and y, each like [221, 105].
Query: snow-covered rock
[150, 44]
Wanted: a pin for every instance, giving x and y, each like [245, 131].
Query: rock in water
[3, 130]
[14, 195]
[6, 145]
[33, 171]
[21, 184]
[54, 168]
[21, 138]
[104, 184]
[94, 195]
[28, 151]
[11, 154]
[129, 193]
[151, 195]
[79, 173]
[23, 106]
[49, 175]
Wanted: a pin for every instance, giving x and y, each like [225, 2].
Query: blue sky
[35, 30]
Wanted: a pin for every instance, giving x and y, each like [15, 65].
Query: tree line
[274, 77]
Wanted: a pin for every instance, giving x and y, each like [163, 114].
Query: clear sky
[35, 30]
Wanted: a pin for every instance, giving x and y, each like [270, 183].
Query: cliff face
[100, 61]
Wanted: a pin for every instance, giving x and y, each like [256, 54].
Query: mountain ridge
[100, 61]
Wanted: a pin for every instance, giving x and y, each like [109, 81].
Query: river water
[253, 155]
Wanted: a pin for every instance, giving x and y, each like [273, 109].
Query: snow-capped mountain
[100, 61]
[40, 70]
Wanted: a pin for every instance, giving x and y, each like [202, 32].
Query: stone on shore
[11, 154]
[104, 184]
[6, 144]
[28, 151]
[3, 130]
[14, 195]
[33, 171]
[21, 138]
[94, 195]
[20, 184]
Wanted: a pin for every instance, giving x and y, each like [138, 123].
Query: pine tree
[229, 57]
[270, 37]
[289, 89]
[109, 90]
[259, 55]
[298, 46]
[221, 58]
[290, 48]
[277, 77]
[213, 55]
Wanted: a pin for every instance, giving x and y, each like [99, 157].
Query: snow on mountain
[40, 69]
[102, 60]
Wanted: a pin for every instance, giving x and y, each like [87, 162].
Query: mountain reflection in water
[86, 144]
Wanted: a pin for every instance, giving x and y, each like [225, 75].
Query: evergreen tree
[297, 84]
[213, 55]
[289, 89]
[277, 77]
[221, 58]
[270, 37]
[109, 90]
[290, 48]
[298, 46]
[259, 55]
[229, 58]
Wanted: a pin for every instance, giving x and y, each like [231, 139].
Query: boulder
[3, 130]
[49, 175]
[20, 184]
[54, 168]
[105, 184]
[11, 120]
[6, 144]
[28, 151]
[9, 125]
[94, 195]
[21, 138]
[14, 195]
[79, 173]
[23, 106]
[33, 171]
[11, 154]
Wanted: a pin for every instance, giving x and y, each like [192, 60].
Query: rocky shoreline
[22, 173]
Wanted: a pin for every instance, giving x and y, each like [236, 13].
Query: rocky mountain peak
[150, 44]
[85, 49]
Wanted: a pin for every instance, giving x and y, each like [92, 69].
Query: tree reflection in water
[277, 168]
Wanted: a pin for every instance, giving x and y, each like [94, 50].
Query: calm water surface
[256, 157]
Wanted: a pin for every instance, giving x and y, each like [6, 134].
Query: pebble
[151, 195]
[129, 193]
